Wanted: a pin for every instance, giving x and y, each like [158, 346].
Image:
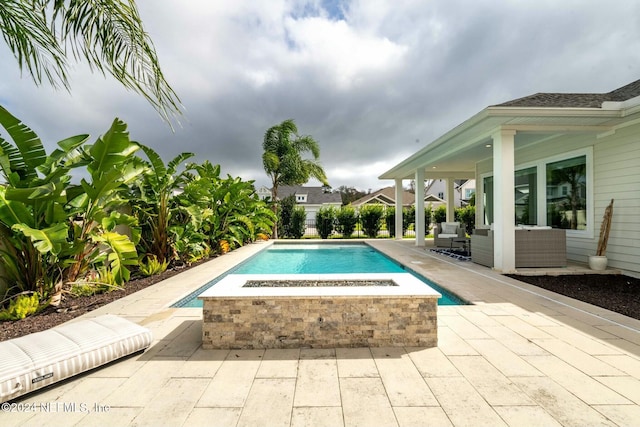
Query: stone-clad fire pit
[319, 311]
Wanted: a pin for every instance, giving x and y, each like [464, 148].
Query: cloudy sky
[371, 80]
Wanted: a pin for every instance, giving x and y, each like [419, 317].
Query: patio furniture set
[535, 246]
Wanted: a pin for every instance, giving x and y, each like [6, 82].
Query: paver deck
[518, 356]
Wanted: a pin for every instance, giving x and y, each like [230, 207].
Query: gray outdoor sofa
[534, 247]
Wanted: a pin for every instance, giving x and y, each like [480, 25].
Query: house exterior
[264, 193]
[385, 196]
[310, 198]
[549, 159]
[436, 190]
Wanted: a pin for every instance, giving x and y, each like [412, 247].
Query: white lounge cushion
[34, 361]
[447, 236]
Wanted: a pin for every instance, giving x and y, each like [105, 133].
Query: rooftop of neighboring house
[387, 196]
[315, 195]
[576, 100]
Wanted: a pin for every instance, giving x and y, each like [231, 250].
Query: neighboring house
[550, 159]
[311, 198]
[385, 196]
[436, 189]
[264, 193]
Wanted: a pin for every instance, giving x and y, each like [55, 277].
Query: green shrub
[390, 220]
[325, 218]
[285, 215]
[346, 220]
[440, 214]
[152, 266]
[297, 226]
[467, 217]
[427, 219]
[370, 217]
[21, 307]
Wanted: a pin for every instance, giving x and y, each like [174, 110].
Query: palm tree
[108, 34]
[283, 161]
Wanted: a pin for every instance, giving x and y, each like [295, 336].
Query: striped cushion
[34, 361]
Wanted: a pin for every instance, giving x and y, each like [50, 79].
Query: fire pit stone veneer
[319, 316]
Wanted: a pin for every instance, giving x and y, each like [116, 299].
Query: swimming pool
[282, 258]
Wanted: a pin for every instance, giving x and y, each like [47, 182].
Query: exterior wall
[616, 174]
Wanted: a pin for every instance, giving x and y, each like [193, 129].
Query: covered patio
[513, 149]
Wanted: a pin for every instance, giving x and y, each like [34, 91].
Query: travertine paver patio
[520, 356]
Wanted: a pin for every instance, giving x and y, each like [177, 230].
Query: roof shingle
[575, 100]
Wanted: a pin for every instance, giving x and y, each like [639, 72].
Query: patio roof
[536, 118]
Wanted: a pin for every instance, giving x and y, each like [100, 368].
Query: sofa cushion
[450, 228]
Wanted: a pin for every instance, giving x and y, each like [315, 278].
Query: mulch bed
[72, 307]
[614, 292]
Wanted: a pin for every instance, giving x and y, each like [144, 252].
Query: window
[526, 196]
[565, 200]
[441, 195]
[567, 183]
[301, 198]
[488, 199]
[468, 192]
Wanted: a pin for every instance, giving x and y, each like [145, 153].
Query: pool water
[318, 259]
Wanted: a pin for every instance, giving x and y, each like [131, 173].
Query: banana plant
[154, 206]
[48, 225]
[232, 211]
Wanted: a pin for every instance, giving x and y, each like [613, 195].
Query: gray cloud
[371, 88]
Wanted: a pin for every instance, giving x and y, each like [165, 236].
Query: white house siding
[616, 174]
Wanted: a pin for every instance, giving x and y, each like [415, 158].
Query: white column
[420, 207]
[399, 200]
[451, 200]
[503, 201]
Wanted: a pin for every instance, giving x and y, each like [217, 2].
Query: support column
[419, 207]
[451, 200]
[504, 201]
[399, 200]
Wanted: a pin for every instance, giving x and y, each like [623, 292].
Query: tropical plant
[51, 230]
[325, 219]
[220, 209]
[153, 266]
[346, 221]
[108, 34]
[282, 158]
[153, 205]
[21, 306]
[371, 219]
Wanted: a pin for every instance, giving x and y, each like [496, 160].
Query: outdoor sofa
[534, 247]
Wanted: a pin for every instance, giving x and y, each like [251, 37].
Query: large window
[567, 193]
[565, 198]
[487, 199]
[526, 196]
